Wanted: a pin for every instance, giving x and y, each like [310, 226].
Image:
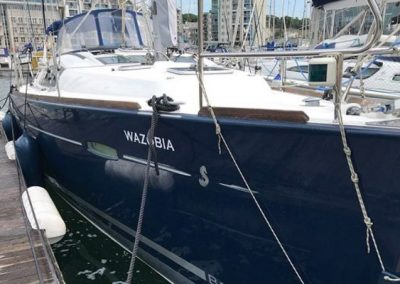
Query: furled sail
[164, 24]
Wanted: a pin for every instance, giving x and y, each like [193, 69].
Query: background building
[239, 22]
[21, 22]
[179, 23]
[190, 31]
[80, 6]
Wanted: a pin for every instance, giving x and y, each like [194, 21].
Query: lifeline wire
[221, 137]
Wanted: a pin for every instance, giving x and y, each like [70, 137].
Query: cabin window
[193, 69]
[114, 59]
[111, 30]
[300, 68]
[85, 37]
[100, 30]
[365, 72]
[102, 150]
[396, 78]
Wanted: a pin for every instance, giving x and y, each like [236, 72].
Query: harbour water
[85, 255]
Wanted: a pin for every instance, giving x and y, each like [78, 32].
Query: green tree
[189, 18]
[291, 23]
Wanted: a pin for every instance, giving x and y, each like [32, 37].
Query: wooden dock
[24, 258]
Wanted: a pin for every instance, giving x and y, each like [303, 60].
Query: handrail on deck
[378, 25]
[338, 53]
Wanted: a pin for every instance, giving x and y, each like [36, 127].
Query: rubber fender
[47, 216]
[28, 154]
[9, 122]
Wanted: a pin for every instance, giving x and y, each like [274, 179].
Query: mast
[303, 22]
[31, 25]
[284, 24]
[122, 6]
[200, 49]
[269, 18]
[44, 17]
[273, 23]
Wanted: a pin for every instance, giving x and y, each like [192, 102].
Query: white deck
[139, 83]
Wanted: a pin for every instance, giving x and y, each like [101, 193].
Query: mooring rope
[264, 216]
[151, 150]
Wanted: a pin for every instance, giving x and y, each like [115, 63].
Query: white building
[207, 27]
[80, 6]
[190, 32]
[21, 22]
[239, 22]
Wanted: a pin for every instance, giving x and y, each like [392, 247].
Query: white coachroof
[138, 83]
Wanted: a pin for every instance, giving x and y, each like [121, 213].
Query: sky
[292, 7]
[190, 6]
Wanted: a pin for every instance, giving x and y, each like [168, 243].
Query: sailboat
[345, 24]
[269, 199]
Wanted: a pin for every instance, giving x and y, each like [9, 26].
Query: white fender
[47, 215]
[10, 150]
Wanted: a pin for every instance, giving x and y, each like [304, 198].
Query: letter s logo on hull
[203, 180]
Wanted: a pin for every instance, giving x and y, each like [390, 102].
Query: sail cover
[164, 24]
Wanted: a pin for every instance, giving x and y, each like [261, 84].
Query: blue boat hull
[201, 224]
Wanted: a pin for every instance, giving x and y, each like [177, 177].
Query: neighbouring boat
[380, 76]
[90, 115]
[345, 24]
[4, 58]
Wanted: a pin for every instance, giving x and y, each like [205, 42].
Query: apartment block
[80, 6]
[22, 22]
[239, 22]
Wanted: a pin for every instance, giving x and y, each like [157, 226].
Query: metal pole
[351, 52]
[44, 17]
[324, 30]
[338, 86]
[316, 52]
[31, 26]
[200, 48]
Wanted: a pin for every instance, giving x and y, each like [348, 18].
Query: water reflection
[86, 255]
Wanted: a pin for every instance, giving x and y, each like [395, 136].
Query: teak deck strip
[81, 101]
[264, 114]
[17, 264]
